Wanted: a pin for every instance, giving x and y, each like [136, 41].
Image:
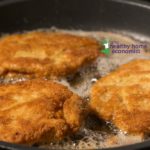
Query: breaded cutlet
[39, 111]
[123, 97]
[45, 54]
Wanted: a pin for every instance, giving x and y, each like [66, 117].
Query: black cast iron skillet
[19, 15]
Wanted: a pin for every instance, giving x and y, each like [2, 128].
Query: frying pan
[106, 15]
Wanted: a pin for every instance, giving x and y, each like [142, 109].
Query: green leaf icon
[106, 51]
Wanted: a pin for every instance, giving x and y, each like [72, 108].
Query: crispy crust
[45, 54]
[38, 111]
[123, 97]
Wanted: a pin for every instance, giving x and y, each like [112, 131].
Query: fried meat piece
[45, 54]
[39, 111]
[123, 97]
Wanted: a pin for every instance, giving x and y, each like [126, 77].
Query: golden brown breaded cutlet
[123, 97]
[38, 111]
[45, 54]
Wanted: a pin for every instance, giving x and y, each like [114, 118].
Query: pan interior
[97, 133]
